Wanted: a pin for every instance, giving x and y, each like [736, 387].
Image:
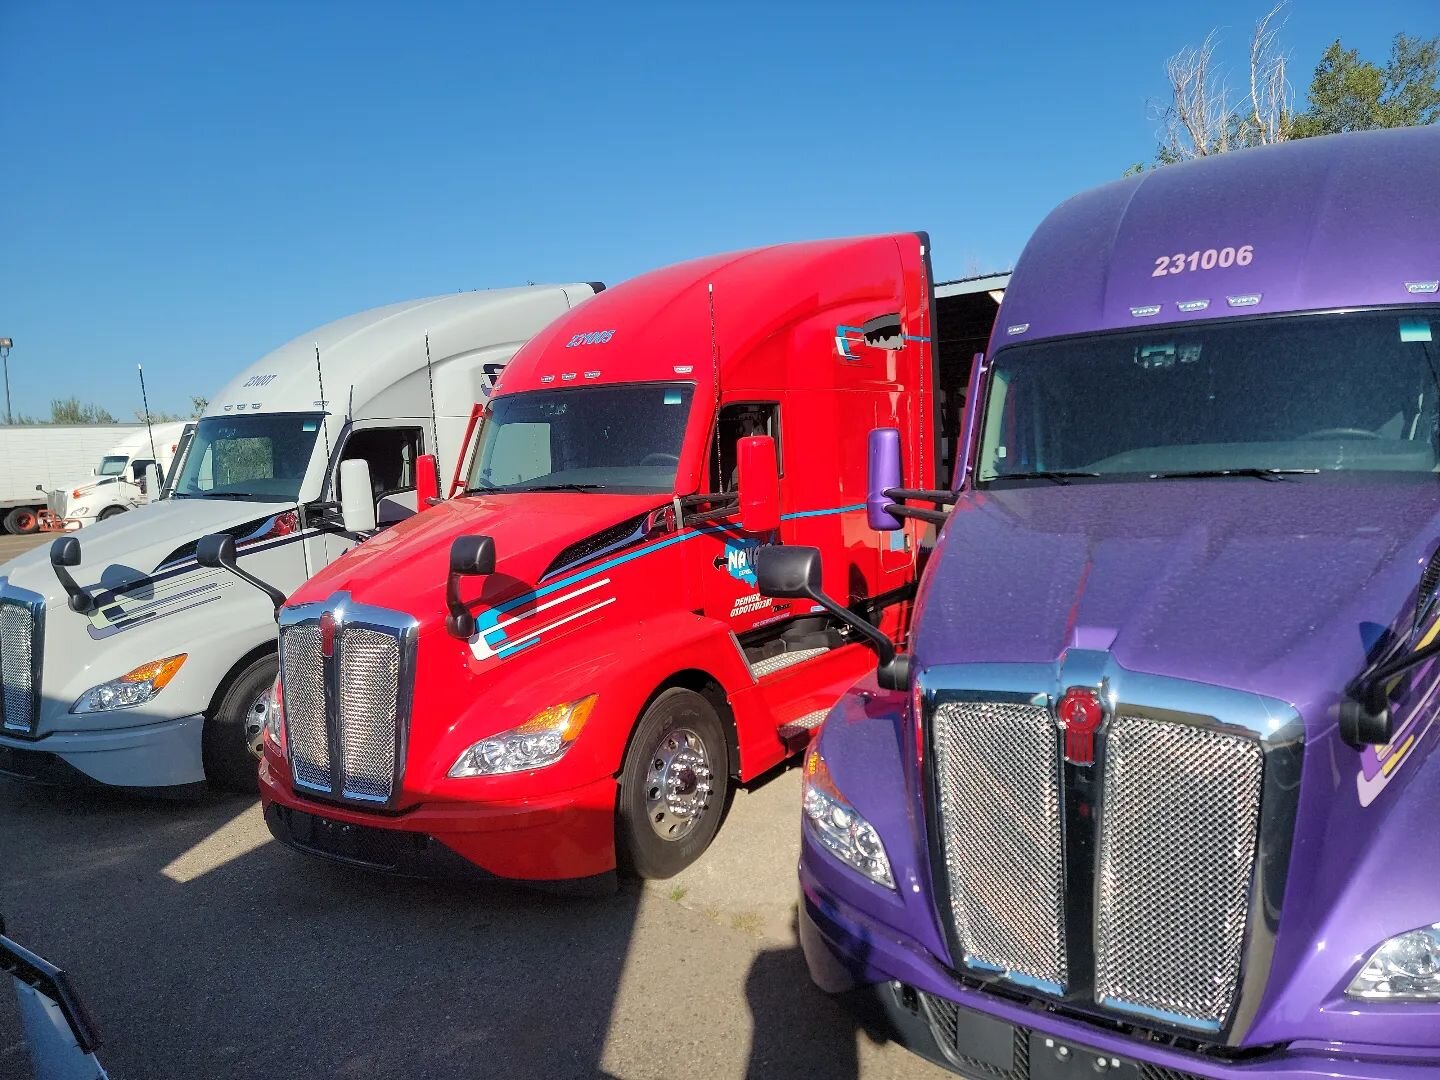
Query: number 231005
[1208, 259]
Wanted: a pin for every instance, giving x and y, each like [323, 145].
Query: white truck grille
[20, 650]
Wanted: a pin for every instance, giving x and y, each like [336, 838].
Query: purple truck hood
[1278, 588]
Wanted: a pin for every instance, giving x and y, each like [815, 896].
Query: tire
[22, 521]
[110, 511]
[230, 763]
[678, 741]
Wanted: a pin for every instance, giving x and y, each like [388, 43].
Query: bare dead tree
[1202, 118]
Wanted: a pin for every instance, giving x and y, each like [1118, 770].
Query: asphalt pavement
[205, 949]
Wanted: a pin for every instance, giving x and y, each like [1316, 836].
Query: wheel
[233, 736]
[22, 521]
[109, 512]
[673, 785]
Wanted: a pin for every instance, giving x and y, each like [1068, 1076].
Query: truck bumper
[159, 758]
[564, 842]
[983, 1037]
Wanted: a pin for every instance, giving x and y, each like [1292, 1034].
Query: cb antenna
[715, 376]
[434, 423]
[324, 404]
[145, 400]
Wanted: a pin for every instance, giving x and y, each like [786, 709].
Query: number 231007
[1208, 259]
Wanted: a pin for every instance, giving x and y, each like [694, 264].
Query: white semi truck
[126, 662]
[34, 458]
[118, 483]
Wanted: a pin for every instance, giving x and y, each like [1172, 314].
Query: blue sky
[190, 185]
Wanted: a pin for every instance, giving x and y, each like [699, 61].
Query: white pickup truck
[124, 661]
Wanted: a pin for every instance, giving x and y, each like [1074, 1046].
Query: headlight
[79, 511]
[542, 740]
[1405, 968]
[834, 823]
[131, 689]
[273, 717]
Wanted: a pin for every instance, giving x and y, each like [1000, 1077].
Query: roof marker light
[684, 369]
[547, 378]
[1018, 328]
[1146, 311]
[568, 376]
[1243, 300]
[1193, 305]
[592, 374]
[1420, 288]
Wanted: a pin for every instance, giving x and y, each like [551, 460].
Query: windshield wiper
[1259, 474]
[521, 489]
[1059, 476]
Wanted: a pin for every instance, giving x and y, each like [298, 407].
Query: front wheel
[109, 512]
[673, 785]
[232, 739]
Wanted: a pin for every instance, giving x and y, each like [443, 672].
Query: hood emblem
[1080, 714]
[327, 634]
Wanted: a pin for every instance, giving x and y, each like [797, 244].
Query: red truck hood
[404, 568]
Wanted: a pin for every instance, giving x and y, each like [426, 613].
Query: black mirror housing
[471, 555]
[787, 572]
[215, 551]
[65, 551]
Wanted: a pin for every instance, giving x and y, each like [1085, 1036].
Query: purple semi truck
[1155, 792]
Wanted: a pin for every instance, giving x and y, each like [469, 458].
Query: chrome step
[781, 661]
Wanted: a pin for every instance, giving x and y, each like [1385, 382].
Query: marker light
[1405, 968]
[836, 826]
[542, 740]
[131, 689]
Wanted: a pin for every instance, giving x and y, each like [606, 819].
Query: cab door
[724, 558]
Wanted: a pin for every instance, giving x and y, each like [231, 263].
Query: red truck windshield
[588, 438]
[1350, 392]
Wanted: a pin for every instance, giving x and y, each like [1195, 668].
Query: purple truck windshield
[1353, 392]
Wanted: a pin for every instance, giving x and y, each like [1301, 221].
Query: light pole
[5, 344]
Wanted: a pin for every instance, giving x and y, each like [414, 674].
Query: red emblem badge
[327, 634]
[1080, 714]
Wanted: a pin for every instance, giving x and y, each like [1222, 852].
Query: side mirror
[357, 501]
[795, 572]
[65, 553]
[883, 475]
[217, 551]
[758, 481]
[150, 488]
[470, 556]
[427, 481]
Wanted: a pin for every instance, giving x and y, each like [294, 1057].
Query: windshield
[1352, 392]
[590, 438]
[111, 465]
[258, 456]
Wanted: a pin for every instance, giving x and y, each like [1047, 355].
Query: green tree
[1351, 94]
[71, 411]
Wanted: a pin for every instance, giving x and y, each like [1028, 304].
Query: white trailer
[117, 484]
[35, 458]
[126, 662]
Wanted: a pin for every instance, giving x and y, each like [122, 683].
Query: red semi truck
[567, 664]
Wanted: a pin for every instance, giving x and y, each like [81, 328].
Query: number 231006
[1208, 259]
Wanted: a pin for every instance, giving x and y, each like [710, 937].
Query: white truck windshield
[112, 465]
[590, 438]
[1353, 392]
[258, 456]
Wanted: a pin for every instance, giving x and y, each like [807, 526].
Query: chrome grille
[17, 666]
[303, 680]
[998, 767]
[1179, 825]
[369, 688]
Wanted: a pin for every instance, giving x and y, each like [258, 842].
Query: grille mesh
[998, 767]
[944, 1016]
[1178, 830]
[369, 681]
[17, 629]
[304, 684]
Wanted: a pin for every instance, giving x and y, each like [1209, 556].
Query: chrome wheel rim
[677, 784]
[256, 717]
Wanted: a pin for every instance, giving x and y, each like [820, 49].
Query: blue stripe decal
[1173, 1018]
[486, 623]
